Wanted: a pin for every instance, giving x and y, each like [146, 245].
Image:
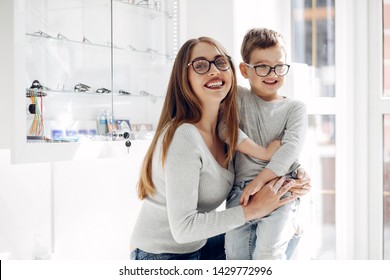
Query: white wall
[259, 13]
[211, 18]
[24, 207]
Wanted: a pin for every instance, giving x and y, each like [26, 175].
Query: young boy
[265, 116]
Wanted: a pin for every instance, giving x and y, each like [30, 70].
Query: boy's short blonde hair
[260, 38]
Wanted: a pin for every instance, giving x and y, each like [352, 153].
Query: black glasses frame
[210, 62]
[270, 68]
[81, 87]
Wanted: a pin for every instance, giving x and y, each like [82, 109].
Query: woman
[187, 172]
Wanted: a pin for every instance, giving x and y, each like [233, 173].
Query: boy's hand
[249, 190]
[268, 199]
[302, 183]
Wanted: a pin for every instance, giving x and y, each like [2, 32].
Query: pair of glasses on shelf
[149, 4]
[81, 87]
[44, 34]
[121, 91]
[85, 88]
[103, 90]
[36, 84]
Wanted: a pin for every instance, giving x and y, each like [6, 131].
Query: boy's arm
[284, 157]
[248, 146]
[251, 148]
[292, 140]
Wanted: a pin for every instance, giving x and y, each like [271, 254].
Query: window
[313, 56]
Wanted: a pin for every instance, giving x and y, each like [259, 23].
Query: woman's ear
[243, 69]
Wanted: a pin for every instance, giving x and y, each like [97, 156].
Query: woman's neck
[208, 123]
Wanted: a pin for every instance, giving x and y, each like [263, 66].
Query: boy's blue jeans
[262, 239]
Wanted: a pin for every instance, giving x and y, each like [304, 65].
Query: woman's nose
[213, 68]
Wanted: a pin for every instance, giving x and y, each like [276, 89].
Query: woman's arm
[301, 185]
[185, 192]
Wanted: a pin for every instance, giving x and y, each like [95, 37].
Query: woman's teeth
[214, 84]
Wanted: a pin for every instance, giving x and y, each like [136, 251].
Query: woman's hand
[302, 183]
[268, 199]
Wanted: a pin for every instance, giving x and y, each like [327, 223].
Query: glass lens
[281, 70]
[201, 66]
[262, 70]
[222, 63]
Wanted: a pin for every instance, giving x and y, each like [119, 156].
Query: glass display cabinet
[90, 75]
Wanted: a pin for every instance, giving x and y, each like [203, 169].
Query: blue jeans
[292, 244]
[213, 250]
[138, 254]
[262, 239]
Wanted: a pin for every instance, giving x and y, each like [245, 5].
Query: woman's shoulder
[186, 128]
[187, 131]
[187, 138]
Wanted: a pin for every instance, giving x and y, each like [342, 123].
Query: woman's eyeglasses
[202, 66]
[263, 70]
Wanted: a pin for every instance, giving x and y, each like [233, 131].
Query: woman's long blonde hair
[181, 105]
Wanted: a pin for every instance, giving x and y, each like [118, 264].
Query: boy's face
[265, 87]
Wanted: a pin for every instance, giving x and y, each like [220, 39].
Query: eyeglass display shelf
[145, 9]
[21, 36]
[129, 48]
[53, 93]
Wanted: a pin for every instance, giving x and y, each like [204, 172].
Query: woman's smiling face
[214, 84]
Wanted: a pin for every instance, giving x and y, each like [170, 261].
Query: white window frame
[351, 130]
[359, 108]
[359, 129]
[378, 107]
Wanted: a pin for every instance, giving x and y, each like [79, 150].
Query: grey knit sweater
[190, 187]
[264, 122]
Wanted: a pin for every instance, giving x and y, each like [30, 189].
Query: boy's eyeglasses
[263, 70]
[202, 66]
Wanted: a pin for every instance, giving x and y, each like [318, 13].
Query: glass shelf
[85, 42]
[148, 8]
